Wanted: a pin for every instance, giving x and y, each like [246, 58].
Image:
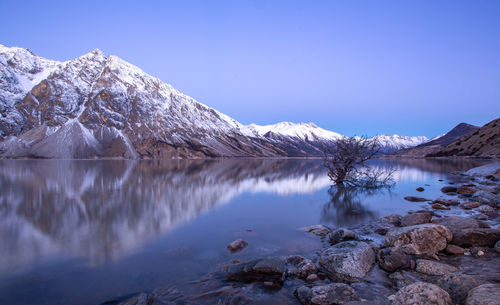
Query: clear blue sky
[354, 67]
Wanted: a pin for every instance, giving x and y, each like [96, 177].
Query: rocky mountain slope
[99, 106]
[484, 142]
[438, 143]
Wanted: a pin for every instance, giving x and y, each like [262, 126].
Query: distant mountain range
[99, 106]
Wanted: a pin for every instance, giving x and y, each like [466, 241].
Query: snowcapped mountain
[101, 106]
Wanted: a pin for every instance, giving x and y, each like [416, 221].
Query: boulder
[336, 293]
[391, 259]
[347, 261]
[448, 189]
[271, 269]
[421, 293]
[468, 205]
[415, 219]
[237, 245]
[487, 294]
[416, 199]
[429, 267]
[340, 235]
[318, 230]
[457, 285]
[476, 237]
[419, 239]
[302, 267]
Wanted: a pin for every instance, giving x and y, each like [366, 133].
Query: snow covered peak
[303, 131]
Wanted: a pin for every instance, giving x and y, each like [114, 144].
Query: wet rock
[419, 239]
[302, 267]
[318, 230]
[261, 269]
[477, 237]
[457, 285]
[420, 189]
[466, 190]
[347, 261]
[415, 219]
[416, 199]
[468, 205]
[446, 202]
[237, 245]
[486, 197]
[336, 293]
[497, 247]
[449, 189]
[487, 294]
[437, 206]
[391, 259]
[421, 293]
[340, 235]
[454, 250]
[429, 267]
[456, 224]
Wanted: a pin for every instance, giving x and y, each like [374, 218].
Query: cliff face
[484, 142]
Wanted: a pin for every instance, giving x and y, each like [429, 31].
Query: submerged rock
[347, 261]
[457, 285]
[262, 269]
[237, 245]
[487, 294]
[336, 293]
[419, 239]
[421, 293]
[429, 267]
[416, 199]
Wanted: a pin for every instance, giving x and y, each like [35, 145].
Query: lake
[96, 231]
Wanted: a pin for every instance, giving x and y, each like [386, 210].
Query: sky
[353, 67]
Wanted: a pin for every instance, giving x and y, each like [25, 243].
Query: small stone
[312, 277]
[437, 206]
[454, 250]
[468, 205]
[416, 199]
[420, 189]
[449, 189]
[237, 245]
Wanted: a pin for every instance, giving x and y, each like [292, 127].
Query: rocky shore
[447, 253]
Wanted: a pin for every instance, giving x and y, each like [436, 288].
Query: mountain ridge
[102, 106]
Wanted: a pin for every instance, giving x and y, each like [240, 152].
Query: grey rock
[429, 267]
[420, 239]
[421, 293]
[336, 293]
[347, 261]
[458, 286]
[487, 294]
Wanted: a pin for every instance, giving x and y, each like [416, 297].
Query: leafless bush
[346, 163]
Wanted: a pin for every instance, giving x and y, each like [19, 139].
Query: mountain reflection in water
[103, 209]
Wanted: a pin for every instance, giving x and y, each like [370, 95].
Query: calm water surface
[87, 232]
